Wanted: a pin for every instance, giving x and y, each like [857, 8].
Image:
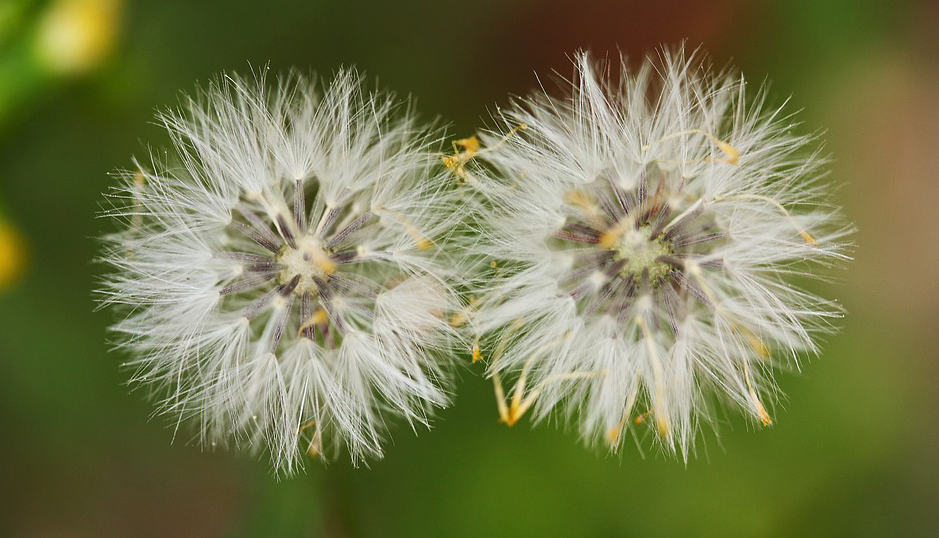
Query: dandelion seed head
[283, 274]
[648, 231]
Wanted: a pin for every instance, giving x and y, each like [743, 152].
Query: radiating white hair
[284, 274]
[645, 238]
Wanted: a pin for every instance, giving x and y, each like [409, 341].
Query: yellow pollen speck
[733, 156]
[609, 238]
[661, 425]
[460, 317]
[317, 318]
[470, 148]
[512, 416]
[755, 342]
[612, 236]
[613, 436]
[803, 233]
[457, 319]
[421, 241]
[477, 354]
[326, 264]
[764, 416]
[469, 144]
[458, 160]
[583, 200]
[757, 404]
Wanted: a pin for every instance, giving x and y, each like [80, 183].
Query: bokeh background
[854, 448]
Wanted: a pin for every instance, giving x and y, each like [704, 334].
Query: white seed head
[646, 232]
[284, 275]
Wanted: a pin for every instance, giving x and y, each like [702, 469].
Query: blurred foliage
[43, 42]
[853, 449]
[12, 255]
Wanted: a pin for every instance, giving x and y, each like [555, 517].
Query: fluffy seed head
[282, 274]
[645, 233]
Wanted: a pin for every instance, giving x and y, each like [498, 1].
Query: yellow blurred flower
[12, 255]
[76, 35]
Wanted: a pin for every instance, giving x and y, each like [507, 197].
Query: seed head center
[641, 253]
[309, 260]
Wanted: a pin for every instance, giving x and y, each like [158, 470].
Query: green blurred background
[854, 448]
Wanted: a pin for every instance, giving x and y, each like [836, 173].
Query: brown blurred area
[853, 451]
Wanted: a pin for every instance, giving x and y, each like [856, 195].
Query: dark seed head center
[309, 259]
[641, 252]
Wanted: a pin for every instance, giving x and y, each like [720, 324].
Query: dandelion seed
[657, 222]
[285, 281]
